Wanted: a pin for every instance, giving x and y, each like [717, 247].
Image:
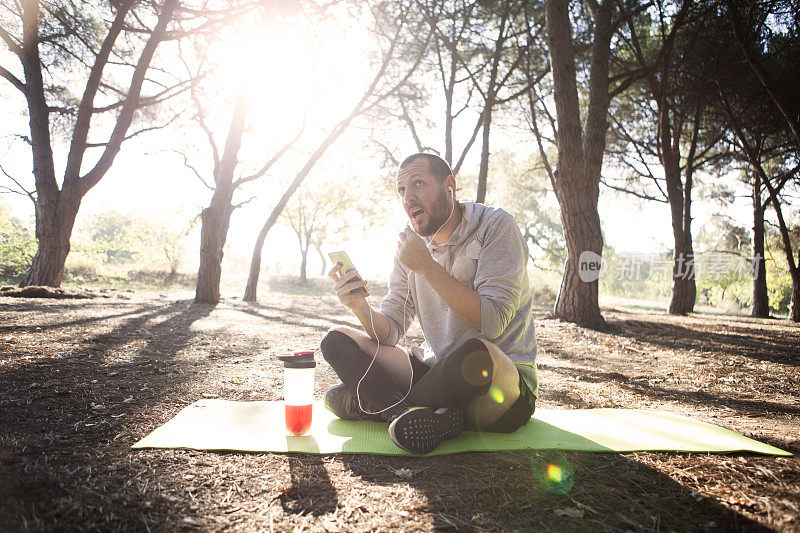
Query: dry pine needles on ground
[84, 379]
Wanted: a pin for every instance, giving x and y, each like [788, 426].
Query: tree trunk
[53, 231]
[684, 290]
[760, 294]
[577, 299]
[483, 170]
[216, 218]
[794, 306]
[251, 291]
[448, 112]
[580, 159]
[303, 267]
[54, 214]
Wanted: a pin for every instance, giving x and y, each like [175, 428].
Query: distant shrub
[17, 247]
[779, 287]
[161, 277]
[543, 294]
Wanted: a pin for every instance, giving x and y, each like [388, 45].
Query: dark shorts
[517, 415]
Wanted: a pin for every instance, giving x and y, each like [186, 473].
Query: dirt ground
[82, 380]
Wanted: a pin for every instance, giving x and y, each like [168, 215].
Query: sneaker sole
[440, 426]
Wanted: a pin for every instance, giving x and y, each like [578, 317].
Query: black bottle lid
[301, 359]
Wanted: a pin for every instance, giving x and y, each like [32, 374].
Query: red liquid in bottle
[298, 419]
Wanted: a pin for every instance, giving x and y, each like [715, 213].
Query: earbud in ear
[450, 190]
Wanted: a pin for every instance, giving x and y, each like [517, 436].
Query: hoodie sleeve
[501, 274]
[398, 306]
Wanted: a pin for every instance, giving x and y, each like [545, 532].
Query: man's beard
[438, 216]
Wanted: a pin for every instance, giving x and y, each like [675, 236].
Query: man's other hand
[412, 252]
[346, 287]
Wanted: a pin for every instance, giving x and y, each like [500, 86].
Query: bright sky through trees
[292, 68]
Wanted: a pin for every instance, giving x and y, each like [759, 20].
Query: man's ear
[450, 181]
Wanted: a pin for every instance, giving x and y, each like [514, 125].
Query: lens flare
[554, 472]
[497, 395]
[474, 369]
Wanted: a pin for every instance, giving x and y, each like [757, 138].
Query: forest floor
[82, 380]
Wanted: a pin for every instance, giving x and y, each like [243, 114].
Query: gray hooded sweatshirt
[488, 254]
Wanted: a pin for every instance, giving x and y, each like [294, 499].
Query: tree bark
[303, 267]
[216, 218]
[679, 196]
[580, 158]
[794, 305]
[53, 230]
[684, 289]
[483, 169]
[760, 294]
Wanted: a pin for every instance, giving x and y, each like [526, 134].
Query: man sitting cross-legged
[467, 284]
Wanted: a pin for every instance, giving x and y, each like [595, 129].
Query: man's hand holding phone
[352, 292]
[349, 287]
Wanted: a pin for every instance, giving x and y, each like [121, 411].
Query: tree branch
[126, 114]
[148, 100]
[138, 132]
[464, 152]
[240, 204]
[13, 79]
[83, 121]
[23, 191]
[13, 45]
[263, 170]
[190, 167]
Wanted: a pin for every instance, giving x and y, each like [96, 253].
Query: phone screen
[347, 265]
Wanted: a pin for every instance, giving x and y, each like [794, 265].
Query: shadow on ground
[511, 491]
[62, 414]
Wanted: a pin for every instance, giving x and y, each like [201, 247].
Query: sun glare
[291, 70]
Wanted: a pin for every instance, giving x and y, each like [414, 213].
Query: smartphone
[347, 265]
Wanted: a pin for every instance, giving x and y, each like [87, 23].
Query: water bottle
[298, 390]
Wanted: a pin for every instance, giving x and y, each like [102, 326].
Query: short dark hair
[438, 166]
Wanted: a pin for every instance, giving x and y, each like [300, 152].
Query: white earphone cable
[405, 333]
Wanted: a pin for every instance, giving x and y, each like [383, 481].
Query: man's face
[423, 197]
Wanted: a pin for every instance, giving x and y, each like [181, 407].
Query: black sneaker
[342, 401]
[422, 429]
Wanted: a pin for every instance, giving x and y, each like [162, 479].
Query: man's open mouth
[416, 213]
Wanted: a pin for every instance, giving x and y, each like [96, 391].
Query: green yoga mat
[259, 427]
